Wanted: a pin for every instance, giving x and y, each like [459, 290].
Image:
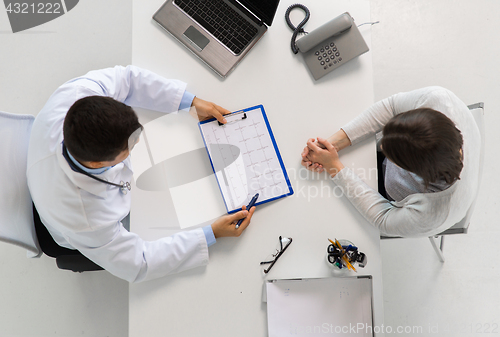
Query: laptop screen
[263, 9]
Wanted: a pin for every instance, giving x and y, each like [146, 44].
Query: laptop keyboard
[220, 20]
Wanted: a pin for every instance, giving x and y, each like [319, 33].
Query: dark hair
[97, 128]
[425, 142]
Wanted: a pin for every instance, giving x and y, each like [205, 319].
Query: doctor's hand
[317, 158]
[225, 225]
[206, 110]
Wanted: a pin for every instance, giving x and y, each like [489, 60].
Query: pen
[250, 205]
[344, 258]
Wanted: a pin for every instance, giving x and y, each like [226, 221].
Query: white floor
[452, 43]
[36, 298]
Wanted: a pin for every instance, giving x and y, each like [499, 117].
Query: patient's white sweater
[419, 214]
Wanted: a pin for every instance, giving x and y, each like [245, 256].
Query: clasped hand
[320, 155]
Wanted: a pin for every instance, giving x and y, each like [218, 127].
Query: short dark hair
[426, 142]
[97, 128]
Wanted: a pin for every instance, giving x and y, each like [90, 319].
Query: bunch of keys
[344, 256]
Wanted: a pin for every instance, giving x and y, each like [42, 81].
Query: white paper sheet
[320, 307]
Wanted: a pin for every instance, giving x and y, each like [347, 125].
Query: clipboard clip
[230, 118]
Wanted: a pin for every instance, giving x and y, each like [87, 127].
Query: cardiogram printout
[245, 158]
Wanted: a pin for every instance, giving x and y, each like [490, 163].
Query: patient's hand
[339, 140]
[321, 155]
[307, 162]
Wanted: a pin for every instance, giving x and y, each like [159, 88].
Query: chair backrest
[16, 216]
[477, 111]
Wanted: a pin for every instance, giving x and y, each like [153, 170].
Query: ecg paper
[245, 159]
[320, 307]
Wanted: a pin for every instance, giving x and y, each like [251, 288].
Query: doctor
[79, 169]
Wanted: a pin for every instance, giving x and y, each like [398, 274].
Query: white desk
[224, 299]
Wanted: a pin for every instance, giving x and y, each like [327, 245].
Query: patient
[431, 145]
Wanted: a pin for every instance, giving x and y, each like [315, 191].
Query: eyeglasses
[280, 249]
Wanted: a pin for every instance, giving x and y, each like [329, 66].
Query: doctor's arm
[129, 257]
[206, 110]
[133, 259]
[225, 225]
[142, 88]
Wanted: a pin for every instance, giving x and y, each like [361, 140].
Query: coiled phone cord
[299, 29]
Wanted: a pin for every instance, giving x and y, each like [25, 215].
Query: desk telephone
[329, 46]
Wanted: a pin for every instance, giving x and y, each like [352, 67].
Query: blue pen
[250, 205]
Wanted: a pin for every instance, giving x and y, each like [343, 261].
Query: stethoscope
[124, 186]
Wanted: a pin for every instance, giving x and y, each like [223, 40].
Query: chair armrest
[76, 263]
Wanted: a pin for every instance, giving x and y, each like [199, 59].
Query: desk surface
[224, 299]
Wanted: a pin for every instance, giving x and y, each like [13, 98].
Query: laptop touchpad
[195, 38]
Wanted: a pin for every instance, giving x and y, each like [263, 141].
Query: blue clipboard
[235, 149]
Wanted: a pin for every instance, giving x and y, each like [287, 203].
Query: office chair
[17, 219]
[477, 111]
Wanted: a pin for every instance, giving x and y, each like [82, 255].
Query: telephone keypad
[328, 55]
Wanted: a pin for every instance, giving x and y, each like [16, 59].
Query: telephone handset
[333, 28]
[329, 46]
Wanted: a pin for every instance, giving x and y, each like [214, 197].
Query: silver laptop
[219, 32]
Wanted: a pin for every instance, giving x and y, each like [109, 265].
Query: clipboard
[245, 158]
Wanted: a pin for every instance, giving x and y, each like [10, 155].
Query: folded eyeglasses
[280, 249]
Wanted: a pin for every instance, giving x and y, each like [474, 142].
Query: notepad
[320, 307]
[245, 158]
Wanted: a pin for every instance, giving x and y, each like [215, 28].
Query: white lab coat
[82, 213]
